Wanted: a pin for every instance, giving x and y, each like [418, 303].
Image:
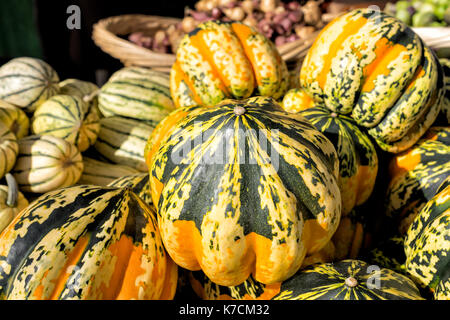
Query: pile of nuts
[281, 22]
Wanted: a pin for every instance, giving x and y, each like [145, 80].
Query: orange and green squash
[85, 243]
[220, 60]
[245, 188]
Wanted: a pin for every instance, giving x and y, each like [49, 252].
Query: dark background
[38, 28]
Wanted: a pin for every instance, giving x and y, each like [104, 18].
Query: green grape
[404, 16]
[402, 5]
[426, 7]
[440, 12]
[423, 19]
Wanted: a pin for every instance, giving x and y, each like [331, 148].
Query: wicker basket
[106, 35]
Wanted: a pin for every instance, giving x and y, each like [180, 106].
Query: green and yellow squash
[444, 116]
[85, 243]
[15, 119]
[86, 90]
[220, 60]
[69, 118]
[141, 73]
[427, 244]
[46, 163]
[415, 176]
[358, 160]
[373, 67]
[343, 280]
[245, 188]
[139, 183]
[27, 82]
[9, 148]
[389, 253]
[101, 173]
[122, 141]
[144, 99]
[12, 201]
[250, 289]
[350, 235]
[296, 100]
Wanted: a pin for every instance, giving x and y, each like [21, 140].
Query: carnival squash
[85, 242]
[220, 60]
[245, 188]
[373, 67]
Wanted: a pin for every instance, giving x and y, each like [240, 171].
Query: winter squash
[348, 280]
[415, 176]
[15, 119]
[389, 253]
[79, 88]
[85, 242]
[358, 160]
[12, 201]
[220, 60]
[245, 188]
[27, 82]
[141, 73]
[373, 67]
[8, 150]
[349, 236]
[343, 280]
[122, 141]
[427, 244]
[143, 99]
[45, 163]
[250, 289]
[69, 118]
[296, 100]
[102, 173]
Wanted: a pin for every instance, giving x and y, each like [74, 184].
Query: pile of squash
[222, 181]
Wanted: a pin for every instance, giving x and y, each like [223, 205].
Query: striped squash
[102, 173]
[69, 118]
[427, 244]
[348, 280]
[373, 67]
[250, 289]
[139, 184]
[12, 201]
[85, 243]
[140, 99]
[220, 60]
[358, 160]
[27, 82]
[343, 280]
[86, 90]
[296, 100]
[9, 148]
[123, 141]
[415, 176]
[141, 73]
[245, 188]
[46, 163]
[15, 119]
[444, 116]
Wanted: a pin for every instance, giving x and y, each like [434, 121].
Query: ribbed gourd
[220, 60]
[69, 118]
[245, 188]
[15, 119]
[343, 280]
[415, 176]
[373, 67]
[122, 141]
[358, 160]
[9, 149]
[102, 173]
[27, 82]
[250, 289]
[145, 99]
[85, 243]
[12, 201]
[86, 90]
[427, 244]
[46, 163]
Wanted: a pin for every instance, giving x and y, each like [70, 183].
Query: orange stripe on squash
[179, 77]
[349, 29]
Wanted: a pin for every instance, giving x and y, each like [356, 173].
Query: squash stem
[13, 190]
